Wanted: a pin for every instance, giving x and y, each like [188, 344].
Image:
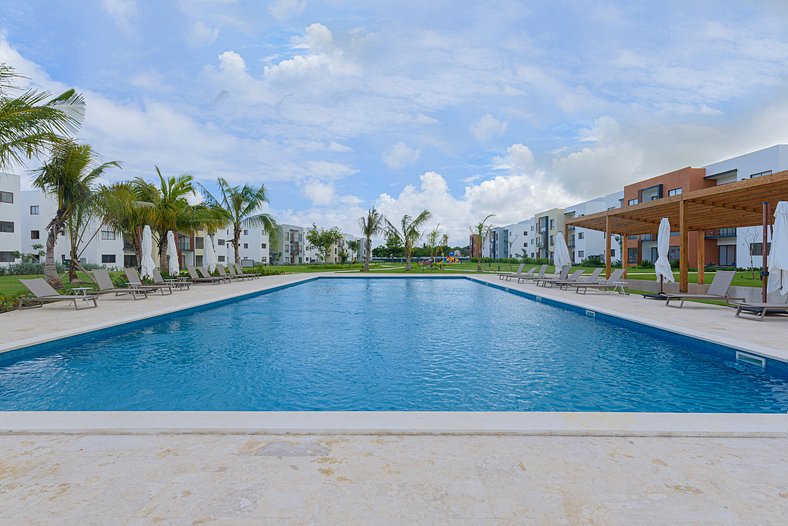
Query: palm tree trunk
[367, 254]
[72, 266]
[407, 257]
[479, 261]
[163, 253]
[236, 240]
[50, 270]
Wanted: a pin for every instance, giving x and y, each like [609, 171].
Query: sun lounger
[106, 286]
[231, 277]
[611, 284]
[136, 282]
[543, 281]
[206, 274]
[718, 290]
[177, 284]
[44, 293]
[196, 278]
[533, 277]
[234, 275]
[240, 271]
[531, 271]
[577, 277]
[502, 275]
[762, 309]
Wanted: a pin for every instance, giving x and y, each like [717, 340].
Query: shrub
[593, 261]
[645, 264]
[9, 301]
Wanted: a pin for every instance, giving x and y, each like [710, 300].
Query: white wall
[774, 159]
[10, 212]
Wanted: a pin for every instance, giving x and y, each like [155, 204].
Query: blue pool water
[385, 344]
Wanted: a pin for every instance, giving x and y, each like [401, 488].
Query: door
[727, 255]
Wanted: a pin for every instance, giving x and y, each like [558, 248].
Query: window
[532, 228]
[108, 235]
[761, 174]
[6, 197]
[551, 241]
[6, 227]
[34, 210]
[756, 249]
[108, 258]
[264, 259]
[675, 191]
[728, 255]
[612, 252]
[632, 256]
[35, 234]
[263, 245]
[220, 242]
[552, 224]
[581, 253]
[580, 235]
[221, 259]
[6, 257]
[632, 202]
[246, 232]
[199, 242]
[674, 253]
[246, 245]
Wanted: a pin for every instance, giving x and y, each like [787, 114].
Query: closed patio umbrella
[148, 265]
[173, 265]
[662, 265]
[561, 257]
[778, 255]
[210, 254]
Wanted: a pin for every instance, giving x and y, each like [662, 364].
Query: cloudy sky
[463, 108]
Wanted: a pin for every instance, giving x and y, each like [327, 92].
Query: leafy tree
[323, 240]
[121, 209]
[34, 122]
[242, 206]
[482, 230]
[371, 226]
[409, 232]
[353, 245]
[69, 177]
[170, 209]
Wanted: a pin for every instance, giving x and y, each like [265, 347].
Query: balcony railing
[720, 233]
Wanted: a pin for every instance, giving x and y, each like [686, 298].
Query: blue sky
[464, 108]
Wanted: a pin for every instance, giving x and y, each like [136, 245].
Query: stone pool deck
[213, 468]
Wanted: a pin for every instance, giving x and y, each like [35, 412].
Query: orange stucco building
[644, 247]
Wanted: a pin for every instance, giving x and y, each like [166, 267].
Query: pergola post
[683, 246]
[701, 257]
[608, 235]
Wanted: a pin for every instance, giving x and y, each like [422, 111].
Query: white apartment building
[10, 217]
[584, 243]
[290, 245]
[519, 236]
[253, 246]
[736, 244]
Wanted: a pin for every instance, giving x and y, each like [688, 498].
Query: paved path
[236, 479]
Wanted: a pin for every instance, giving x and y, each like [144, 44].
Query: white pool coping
[397, 423]
[416, 423]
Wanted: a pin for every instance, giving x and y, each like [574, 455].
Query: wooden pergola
[739, 204]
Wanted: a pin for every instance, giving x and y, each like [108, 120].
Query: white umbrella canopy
[148, 265]
[210, 254]
[561, 257]
[778, 255]
[662, 265]
[173, 267]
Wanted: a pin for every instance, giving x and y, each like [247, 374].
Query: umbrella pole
[661, 281]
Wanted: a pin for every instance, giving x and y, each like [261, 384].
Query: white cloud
[319, 193]
[488, 127]
[400, 156]
[121, 12]
[283, 10]
[202, 35]
[232, 64]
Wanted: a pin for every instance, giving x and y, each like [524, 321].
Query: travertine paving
[254, 479]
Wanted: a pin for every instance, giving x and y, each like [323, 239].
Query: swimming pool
[386, 344]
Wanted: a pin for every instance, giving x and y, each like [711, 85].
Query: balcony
[648, 237]
[720, 233]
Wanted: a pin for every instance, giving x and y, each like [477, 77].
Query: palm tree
[372, 225]
[120, 209]
[433, 238]
[69, 177]
[33, 123]
[170, 209]
[353, 245]
[410, 232]
[481, 230]
[242, 206]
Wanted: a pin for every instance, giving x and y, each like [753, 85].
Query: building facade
[10, 218]
[584, 243]
[547, 224]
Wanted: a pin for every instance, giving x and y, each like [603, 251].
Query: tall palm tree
[170, 209]
[121, 209]
[372, 225]
[242, 206]
[410, 232]
[481, 230]
[33, 122]
[69, 177]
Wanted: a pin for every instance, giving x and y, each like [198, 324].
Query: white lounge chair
[611, 284]
[177, 284]
[543, 281]
[136, 282]
[718, 290]
[502, 275]
[762, 309]
[196, 278]
[44, 293]
[533, 277]
[106, 286]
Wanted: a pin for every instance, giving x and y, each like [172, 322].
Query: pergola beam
[716, 204]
